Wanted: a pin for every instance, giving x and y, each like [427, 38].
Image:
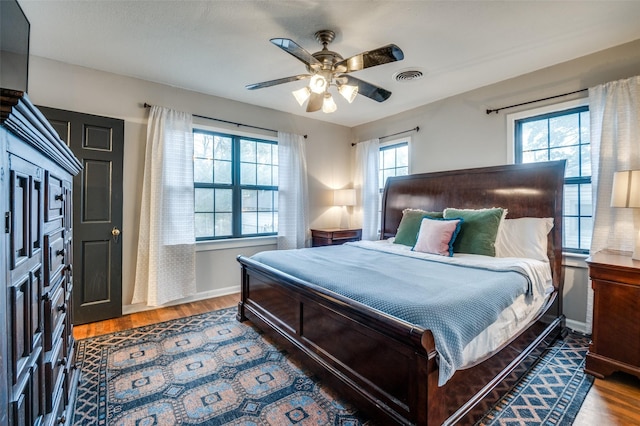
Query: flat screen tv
[14, 46]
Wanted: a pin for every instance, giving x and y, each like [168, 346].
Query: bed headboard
[526, 190]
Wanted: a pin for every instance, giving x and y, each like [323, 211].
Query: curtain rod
[415, 129]
[146, 105]
[489, 111]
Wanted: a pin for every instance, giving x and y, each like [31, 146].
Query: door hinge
[7, 223]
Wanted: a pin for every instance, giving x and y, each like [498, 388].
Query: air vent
[404, 76]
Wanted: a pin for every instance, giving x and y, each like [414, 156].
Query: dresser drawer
[57, 416]
[54, 207]
[55, 309]
[54, 368]
[70, 371]
[330, 237]
[68, 324]
[347, 234]
[54, 256]
[615, 340]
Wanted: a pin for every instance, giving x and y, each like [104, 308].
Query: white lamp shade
[344, 197]
[328, 105]
[626, 189]
[348, 92]
[302, 95]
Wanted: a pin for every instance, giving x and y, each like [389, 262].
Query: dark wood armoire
[37, 364]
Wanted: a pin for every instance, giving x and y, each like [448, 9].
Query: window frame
[384, 146]
[514, 148]
[235, 185]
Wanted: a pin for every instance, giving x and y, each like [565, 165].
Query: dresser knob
[63, 361]
[60, 252]
[62, 419]
[63, 307]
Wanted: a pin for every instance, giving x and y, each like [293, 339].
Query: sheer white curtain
[165, 268]
[614, 110]
[367, 189]
[293, 197]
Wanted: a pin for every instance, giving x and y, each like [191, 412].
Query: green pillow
[478, 231]
[409, 227]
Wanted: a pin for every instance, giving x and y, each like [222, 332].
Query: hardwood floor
[154, 316]
[612, 402]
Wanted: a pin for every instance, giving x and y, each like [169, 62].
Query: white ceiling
[218, 47]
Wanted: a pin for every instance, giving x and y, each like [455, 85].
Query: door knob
[115, 232]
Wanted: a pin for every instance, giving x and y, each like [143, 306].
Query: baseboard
[580, 327]
[140, 307]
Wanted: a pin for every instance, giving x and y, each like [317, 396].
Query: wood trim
[21, 117]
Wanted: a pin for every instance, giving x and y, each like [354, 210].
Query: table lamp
[626, 193]
[344, 198]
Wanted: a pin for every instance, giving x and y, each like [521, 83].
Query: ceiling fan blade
[382, 55]
[294, 49]
[367, 89]
[315, 102]
[277, 81]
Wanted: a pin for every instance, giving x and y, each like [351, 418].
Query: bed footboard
[376, 362]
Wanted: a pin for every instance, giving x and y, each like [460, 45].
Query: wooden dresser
[36, 169]
[334, 236]
[615, 338]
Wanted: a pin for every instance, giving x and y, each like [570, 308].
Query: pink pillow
[436, 236]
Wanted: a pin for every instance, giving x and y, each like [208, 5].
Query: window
[236, 186]
[562, 135]
[394, 161]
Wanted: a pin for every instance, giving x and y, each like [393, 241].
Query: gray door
[98, 142]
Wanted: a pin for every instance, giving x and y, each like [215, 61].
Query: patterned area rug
[209, 369]
[551, 393]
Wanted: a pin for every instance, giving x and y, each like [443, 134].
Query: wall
[64, 86]
[456, 132]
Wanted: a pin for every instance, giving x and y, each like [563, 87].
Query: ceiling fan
[326, 68]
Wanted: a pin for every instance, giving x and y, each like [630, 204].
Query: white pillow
[524, 237]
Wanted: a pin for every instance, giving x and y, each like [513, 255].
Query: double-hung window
[557, 135]
[394, 161]
[236, 186]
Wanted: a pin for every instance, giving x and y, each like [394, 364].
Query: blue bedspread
[455, 302]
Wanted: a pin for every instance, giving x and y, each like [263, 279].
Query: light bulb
[318, 84]
[328, 105]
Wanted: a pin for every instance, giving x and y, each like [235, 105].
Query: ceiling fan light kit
[326, 68]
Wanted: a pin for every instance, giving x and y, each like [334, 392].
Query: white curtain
[366, 185]
[293, 198]
[165, 268]
[615, 145]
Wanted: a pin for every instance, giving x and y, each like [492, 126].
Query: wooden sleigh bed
[389, 369]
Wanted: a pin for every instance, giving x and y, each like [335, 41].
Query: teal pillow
[478, 231]
[409, 227]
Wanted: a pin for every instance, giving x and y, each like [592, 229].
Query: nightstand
[334, 236]
[615, 340]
